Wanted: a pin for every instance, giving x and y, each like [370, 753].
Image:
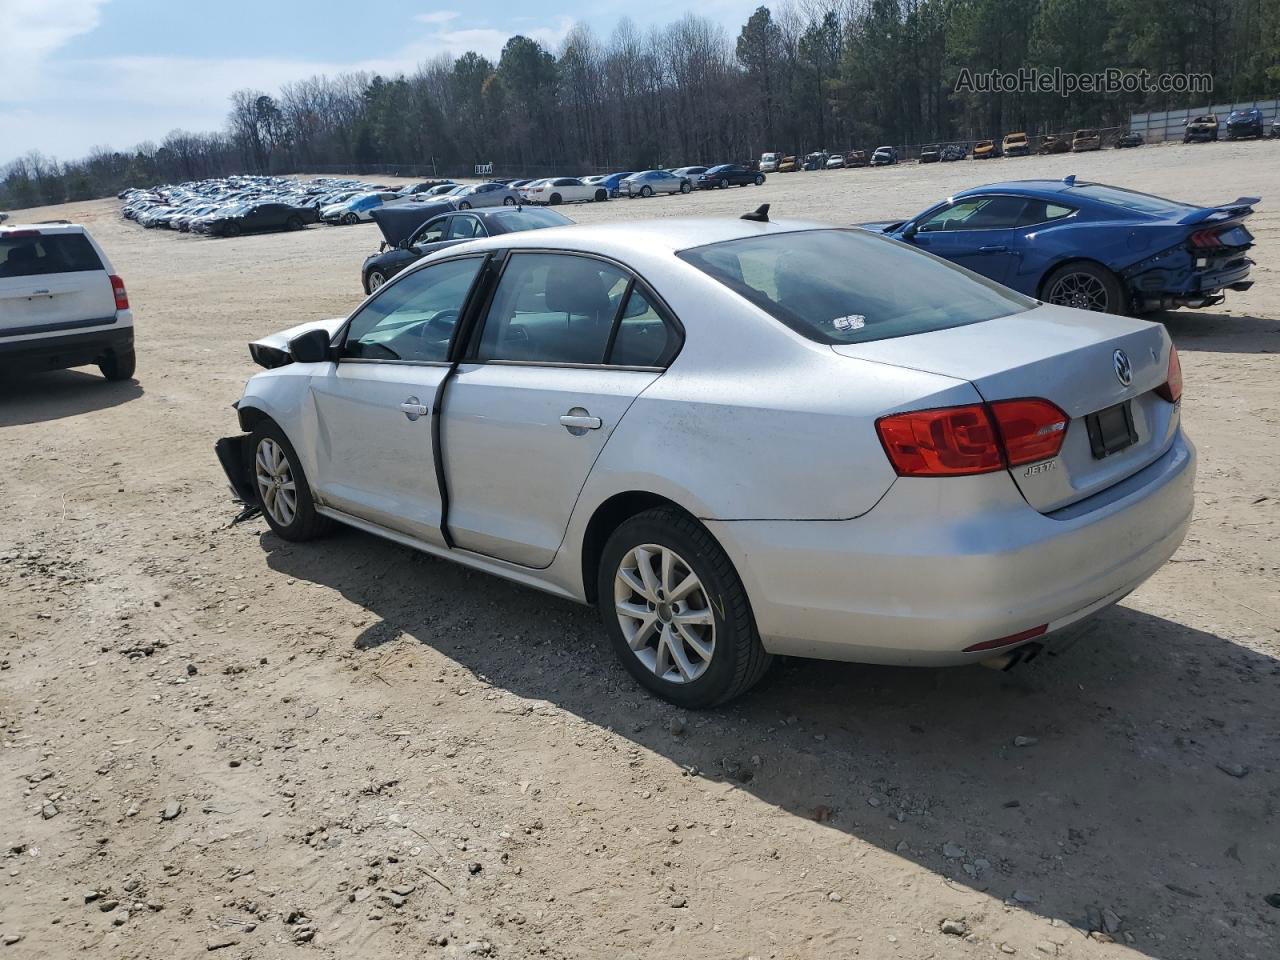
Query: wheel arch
[606, 518]
[250, 417]
[1051, 268]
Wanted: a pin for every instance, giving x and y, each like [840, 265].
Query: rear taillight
[1171, 389]
[948, 442]
[1032, 430]
[1206, 240]
[975, 438]
[122, 297]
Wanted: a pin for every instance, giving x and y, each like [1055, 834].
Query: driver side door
[375, 454]
[980, 233]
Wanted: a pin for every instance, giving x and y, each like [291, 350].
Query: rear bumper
[904, 585]
[59, 352]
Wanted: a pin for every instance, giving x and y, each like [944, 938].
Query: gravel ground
[217, 741]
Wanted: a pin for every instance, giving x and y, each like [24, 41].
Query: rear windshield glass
[516, 220]
[1131, 200]
[28, 256]
[851, 286]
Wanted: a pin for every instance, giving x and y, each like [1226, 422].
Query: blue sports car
[1088, 245]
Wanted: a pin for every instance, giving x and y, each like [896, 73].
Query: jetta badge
[1124, 370]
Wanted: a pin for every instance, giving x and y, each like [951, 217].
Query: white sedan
[559, 190]
[731, 448]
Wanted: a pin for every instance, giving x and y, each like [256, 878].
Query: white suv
[61, 303]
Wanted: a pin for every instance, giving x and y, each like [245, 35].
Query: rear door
[567, 345]
[51, 280]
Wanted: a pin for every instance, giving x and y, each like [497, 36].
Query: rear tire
[685, 187]
[119, 366]
[282, 488]
[231, 230]
[662, 636]
[601, 196]
[508, 201]
[759, 181]
[1085, 286]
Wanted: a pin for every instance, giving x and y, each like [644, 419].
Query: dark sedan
[1245, 123]
[729, 175]
[257, 218]
[442, 228]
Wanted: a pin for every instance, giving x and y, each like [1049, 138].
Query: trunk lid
[1067, 357]
[51, 279]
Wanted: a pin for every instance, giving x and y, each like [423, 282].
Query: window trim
[668, 316]
[338, 343]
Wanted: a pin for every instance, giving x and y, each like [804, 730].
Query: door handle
[578, 422]
[412, 409]
[998, 248]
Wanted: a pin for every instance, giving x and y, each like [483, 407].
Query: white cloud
[32, 30]
[67, 109]
[439, 16]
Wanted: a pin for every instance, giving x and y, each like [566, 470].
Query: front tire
[508, 201]
[677, 612]
[554, 200]
[374, 281]
[464, 205]
[350, 218]
[295, 223]
[646, 191]
[759, 181]
[685, 187]
[1085, 286]
[283, 491]
[119, 365]
[724, 184]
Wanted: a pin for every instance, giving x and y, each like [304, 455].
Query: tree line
[813, 74]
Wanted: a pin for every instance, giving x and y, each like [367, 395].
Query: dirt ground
[217, 741]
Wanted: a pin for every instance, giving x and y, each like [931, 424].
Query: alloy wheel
[1083, 291]
[664, 613]
[276, 487]
[376, 280]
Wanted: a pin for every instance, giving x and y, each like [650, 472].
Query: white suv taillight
[122, 297]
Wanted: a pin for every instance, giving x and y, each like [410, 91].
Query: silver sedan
[485, 195]
[649, 182]
[730, 448]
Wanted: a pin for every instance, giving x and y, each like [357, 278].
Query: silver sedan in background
[649, 182]
[733, 449]
[485, 195]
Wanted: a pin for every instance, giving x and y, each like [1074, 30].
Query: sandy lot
[217, 741]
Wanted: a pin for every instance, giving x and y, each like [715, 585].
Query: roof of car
[666, 234]
[1028, 187]
[49, 226]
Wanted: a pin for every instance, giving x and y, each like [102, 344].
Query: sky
[75, 74]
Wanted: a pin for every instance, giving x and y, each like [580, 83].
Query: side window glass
[643, 338]
[414, 318]
[552, 308]
[977, 213]
[464, 228]
[433, 231]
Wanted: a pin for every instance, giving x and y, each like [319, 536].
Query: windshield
[1132, 200]
[882, 288]
[513, 221]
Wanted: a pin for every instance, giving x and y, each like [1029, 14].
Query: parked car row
[1239, 125]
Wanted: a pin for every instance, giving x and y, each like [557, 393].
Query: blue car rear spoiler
[1235, 210]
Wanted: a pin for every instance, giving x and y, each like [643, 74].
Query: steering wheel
[443, 322]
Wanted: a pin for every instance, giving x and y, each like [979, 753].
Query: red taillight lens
[1011, 639]
[1205, 240]
[949, 442]
[122, 298]
[975, 438]
[1032, 430]
[1171, 389]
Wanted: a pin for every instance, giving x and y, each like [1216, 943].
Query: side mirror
[909, 230]
[310, 347]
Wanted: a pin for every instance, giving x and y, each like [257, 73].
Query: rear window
[851, 286]
[516, 220]
[1132, 200]
[30, 256]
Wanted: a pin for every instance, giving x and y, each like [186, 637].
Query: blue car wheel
[1085, 286]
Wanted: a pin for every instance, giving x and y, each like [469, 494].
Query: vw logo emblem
[1124, 369]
